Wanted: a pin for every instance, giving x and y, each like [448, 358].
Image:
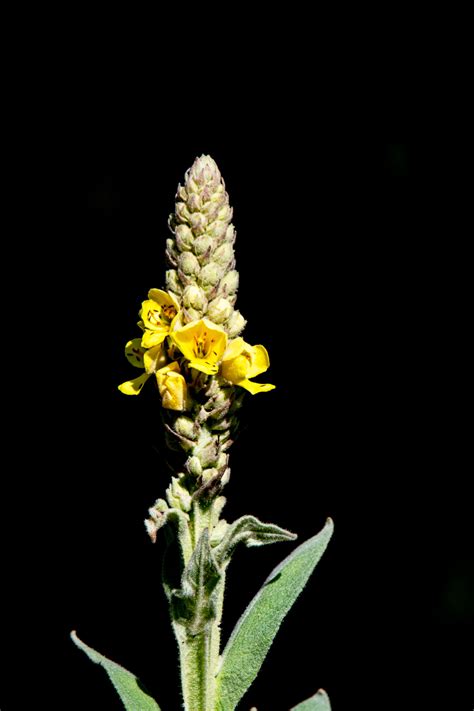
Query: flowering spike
[202, 252]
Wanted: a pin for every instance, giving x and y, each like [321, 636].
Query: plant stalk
[199, 653]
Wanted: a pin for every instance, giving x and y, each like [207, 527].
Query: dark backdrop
[354, 277]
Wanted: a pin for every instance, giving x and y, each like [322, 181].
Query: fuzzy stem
[199, 654]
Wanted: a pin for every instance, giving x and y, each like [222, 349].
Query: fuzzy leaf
[194, 603]
[254, 632]
[252, 532]
[127, 685]
[318, 702]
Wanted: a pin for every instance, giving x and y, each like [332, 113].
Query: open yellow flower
[151, 360]
[242, 361]
[202, 343]
[172, 387]
[158, 314]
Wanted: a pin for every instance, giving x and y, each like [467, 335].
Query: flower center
[169, 311]
[154, 317]
[202, 345]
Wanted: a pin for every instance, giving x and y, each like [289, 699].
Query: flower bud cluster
[202, 276]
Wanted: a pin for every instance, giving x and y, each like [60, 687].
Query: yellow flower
[158, 314]
[172, 387]
[202, 343]
[151, 360]
[242, 361]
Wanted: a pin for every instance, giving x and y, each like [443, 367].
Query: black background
[354, 274]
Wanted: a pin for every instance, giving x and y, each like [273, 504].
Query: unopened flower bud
[194, 466]
[182, 212]
[236, 324]
[181, 193]
[225, 213]
[217, 230]
[208, 474]
[194, 297]
[191, 314]
[224, 254]
[230, 234]
[172, 282]
[219, 310]
[210, 276]
[185, 427]
[194, 202]
[188, 263]
[198, 222]
[184, 237]
[203, 245]
[230, 282]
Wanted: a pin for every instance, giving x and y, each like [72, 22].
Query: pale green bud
[178, 495]
[203, 244]
[198, 222]
[172, 282]
[230, 234]
[224, 254]
[208, 474]
[219, 310]
[213, 202]
[181, 193]
[225, 213]
[184, 237]
[236, 324]
[185, 427]
[204, 171]
[191, 314]
[171, 250]
[182, 212]
[222, 461]
[194, 297]
[230, 282]
[212, 211]
[210, 276]
[188, 263]
[217, 230]
[194, 202]
[194, 466]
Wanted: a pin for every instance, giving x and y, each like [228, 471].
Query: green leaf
[194, 604]
[254, 632]
[318, 702]
[127, 685]
[252, 532]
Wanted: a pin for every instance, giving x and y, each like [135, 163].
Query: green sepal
[128, 687]
[318, 702]
[254, 632]
[252, 532]
[194, 604]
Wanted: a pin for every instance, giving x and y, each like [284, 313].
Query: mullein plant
[190, 345]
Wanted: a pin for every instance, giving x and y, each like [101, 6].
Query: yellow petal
[234, 349]
[260, 362]
[201, 342]
[154, 358]
[172, 387]
[255, 388]
[204, 366]
[153, 338]
[133, 387]
[134, 352]
[153, 316]
[236, 369]
[163, 298]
